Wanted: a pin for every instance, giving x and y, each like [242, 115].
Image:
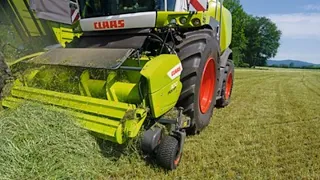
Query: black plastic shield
[99, 58]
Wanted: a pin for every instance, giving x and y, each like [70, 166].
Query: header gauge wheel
[168, 155]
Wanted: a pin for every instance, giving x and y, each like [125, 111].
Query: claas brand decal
[175, 71]
[114, 24]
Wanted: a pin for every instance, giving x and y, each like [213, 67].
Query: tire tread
[166, 152]
[190, 51]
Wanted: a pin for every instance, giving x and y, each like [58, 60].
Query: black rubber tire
[167, 153]
[194, 51]
[223, 101]
[4, 74]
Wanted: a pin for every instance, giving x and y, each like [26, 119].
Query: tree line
[254, 39]
[291, 66]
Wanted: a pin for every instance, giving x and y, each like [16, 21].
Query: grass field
[270, 131]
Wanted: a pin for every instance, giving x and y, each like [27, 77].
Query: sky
[299, 21]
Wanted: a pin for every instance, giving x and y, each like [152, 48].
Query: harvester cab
[123, 66]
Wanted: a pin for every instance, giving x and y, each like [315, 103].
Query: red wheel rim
[228, 86]
[176, 162]
[207, 85]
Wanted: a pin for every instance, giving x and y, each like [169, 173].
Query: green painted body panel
[127, 92]
[163, 91]
[35, 32]
[64, 33]
[226, 23]
[30, 25]
[134, 76]
[164, 18]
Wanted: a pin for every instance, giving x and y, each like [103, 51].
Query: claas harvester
[124, 69]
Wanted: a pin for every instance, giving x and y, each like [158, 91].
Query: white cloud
[312, 7]
[298, 25]
[300, 35]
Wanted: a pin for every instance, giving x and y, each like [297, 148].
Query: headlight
[196, 22]
[173, 21]
[183, 20]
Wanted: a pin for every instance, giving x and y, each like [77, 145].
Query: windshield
[98, 8]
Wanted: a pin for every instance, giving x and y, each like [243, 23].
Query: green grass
[270, 131]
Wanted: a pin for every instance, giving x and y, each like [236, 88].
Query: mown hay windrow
[37, 142]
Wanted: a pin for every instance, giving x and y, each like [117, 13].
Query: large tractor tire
[227, 85]
[199, 54]
[4, 74]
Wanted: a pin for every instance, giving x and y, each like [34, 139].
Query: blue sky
[299, 21]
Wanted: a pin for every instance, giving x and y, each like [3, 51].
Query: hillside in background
[293, 63]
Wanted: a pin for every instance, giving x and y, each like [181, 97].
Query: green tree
[284, 65]
[254, 39]
[239, 40]
[263, 40]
